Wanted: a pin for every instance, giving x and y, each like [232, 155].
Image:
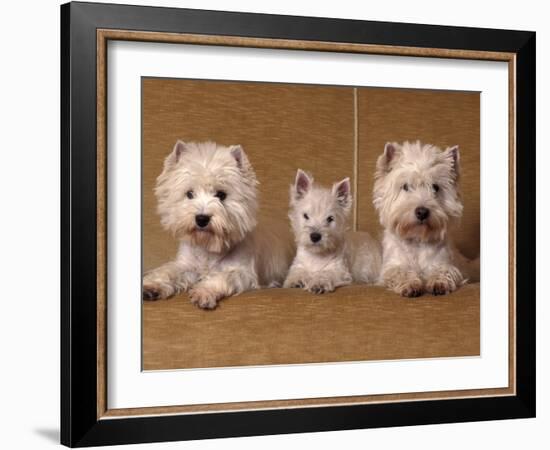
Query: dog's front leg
[402, 281]
[210, 290]
[167, 280]
[443, 279]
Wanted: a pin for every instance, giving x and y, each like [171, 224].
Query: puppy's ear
[342, 192]
[391, 149]
[302, 185]
[179, 149]
[453, 154]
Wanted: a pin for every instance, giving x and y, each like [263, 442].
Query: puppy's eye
[435, 187]
[330, 219]
[189, 194]
[306, 216]
[405, 187]
[221, 195]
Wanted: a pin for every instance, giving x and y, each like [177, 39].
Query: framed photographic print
[276, 224]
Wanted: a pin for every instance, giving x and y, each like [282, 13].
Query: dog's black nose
[201, 220]
[315, 237]
[422, 213]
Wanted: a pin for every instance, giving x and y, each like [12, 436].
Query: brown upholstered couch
[332, 132]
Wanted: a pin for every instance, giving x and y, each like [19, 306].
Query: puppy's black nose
[422, 213]
[201, 220]
[315, 237]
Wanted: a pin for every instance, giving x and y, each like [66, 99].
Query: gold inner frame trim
[103, 36]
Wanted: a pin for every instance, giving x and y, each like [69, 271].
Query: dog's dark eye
[405, 187]
[189, 194]
[306, 216]
[330, 219]
[435, 187]
[221, 195]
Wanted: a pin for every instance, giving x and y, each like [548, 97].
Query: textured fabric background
[283, 127]
[442, 118]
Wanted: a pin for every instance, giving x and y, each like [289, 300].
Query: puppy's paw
[317, 289]
[293, 283]
[204, 298]
[412, 288]
[320, 287]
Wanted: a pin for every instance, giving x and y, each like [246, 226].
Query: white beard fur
[231, 255]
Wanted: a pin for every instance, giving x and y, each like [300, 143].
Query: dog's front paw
[320, 287]
[156, 291]
[204, 298]
[151, 293]
[444, 282]
[440, 286]
[156, 288]
[317, 289]
[402, 282]
[412, 288]
[294, 283]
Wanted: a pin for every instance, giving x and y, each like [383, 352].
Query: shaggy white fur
[207, 198]
[417, 196]
[327, 255]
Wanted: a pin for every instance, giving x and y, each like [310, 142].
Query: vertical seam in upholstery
[355, 157]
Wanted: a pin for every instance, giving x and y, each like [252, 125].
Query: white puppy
[207, 198]
[327, 255]
[416, 193]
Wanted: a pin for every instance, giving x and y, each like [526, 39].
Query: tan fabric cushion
[290, 326]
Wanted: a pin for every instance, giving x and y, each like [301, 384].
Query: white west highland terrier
[327, 256]
[416, 193]
[207, 198]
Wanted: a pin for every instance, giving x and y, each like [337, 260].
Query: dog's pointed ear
[244, 166]
[179, 149]
[453, 154]
[342, 191]
[302, 184]
[238, 155]
[391, 149]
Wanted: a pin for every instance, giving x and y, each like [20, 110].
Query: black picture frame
[79, 423]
